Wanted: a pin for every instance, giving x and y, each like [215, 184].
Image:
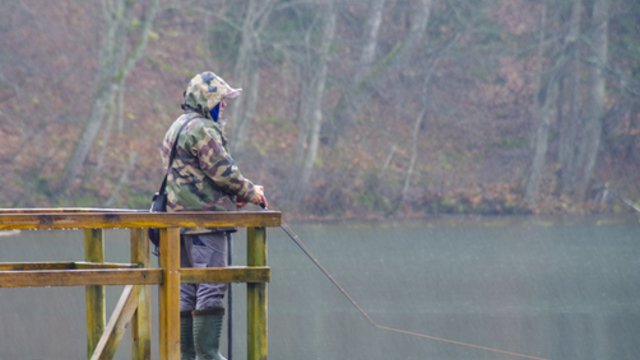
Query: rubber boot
[187, 349]
[207, 327]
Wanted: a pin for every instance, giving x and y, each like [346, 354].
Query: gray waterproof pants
[199, 251]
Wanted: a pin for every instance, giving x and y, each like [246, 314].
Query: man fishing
[203, 177]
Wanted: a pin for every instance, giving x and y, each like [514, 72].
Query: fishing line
[294, 237]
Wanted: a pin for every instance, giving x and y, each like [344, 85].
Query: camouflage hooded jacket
[203, 176]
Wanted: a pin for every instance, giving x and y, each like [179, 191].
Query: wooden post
[141, 321]
[94, 294]
[257, 345]
[170, 294]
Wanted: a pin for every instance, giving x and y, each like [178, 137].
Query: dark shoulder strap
[173, 155]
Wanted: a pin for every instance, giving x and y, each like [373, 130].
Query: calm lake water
[551, 288]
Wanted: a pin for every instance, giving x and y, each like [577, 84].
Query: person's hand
[260, 199]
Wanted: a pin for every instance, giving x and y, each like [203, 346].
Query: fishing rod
[296, 239]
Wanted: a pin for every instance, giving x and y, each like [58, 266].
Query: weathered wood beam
[90, 220]
[169, 293]
[48, 265]
[64, 210]
[55, 270]
[141, 321]
[64, 265]
[115, 329]
[257, 343]
[46, 278]
[230, 274]
[95, 305]
[103, 265]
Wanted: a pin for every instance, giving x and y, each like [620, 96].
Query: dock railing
[134, 304]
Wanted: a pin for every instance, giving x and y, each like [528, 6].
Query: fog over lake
[550, 288]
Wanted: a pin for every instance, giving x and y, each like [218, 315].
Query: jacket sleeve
[218, 165]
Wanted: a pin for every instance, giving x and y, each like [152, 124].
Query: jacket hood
[205, 91]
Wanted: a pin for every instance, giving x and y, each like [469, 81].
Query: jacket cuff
[249, 192]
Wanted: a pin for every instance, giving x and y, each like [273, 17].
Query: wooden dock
[133, 306]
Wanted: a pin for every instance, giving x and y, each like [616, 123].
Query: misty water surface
[559, 289]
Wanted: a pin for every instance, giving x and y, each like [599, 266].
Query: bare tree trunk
[112, 74]
[342, 113]
[310, 123]
[418, 125]
[395, 61]
[414, 154]
[541, 143]
[317, 92]
[246, 72]
[414, 38]
[85, 142]
[632, 151]
[547, 97]
[568, 140]
[115, 106]
[114, 14]
[368, 53]
[540, 139]
[590, 144]
[250, 108]
[303, 119]
[244, 67]
[123, 179]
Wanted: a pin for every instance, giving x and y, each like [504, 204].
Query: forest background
[361, 108]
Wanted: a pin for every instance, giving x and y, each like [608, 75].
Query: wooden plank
[64, 210]
[48, 265]
[47, 278]
[170, 294]
[62, 265]
[257, 339]
[230, 274]
[94, 294]
[103, 265]
[112, 335]
[90, 220]
[141, 321]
